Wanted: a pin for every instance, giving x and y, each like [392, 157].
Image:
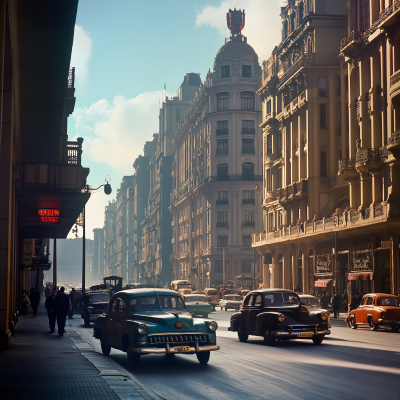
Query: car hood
[165, 321]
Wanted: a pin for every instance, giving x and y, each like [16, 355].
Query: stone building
[156, 227]
[109, 238]
[98, 255]
[217, 168]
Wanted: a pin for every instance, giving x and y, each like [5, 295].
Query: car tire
[203, 357]
[242, 335]
[133, 358]
[352, 322]
[87, 322]
[372, 325]
[395, 328]
[317, 340]
[268, 339]
[105, 348]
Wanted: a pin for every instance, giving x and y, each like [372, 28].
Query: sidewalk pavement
[46, 366]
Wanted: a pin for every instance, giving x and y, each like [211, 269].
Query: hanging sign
[49, 215]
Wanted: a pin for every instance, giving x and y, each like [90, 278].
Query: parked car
[231, 301]
[197, 304]
[311, 302]
[93, 305]
[279, 314]
[153, 321]
[375, 310]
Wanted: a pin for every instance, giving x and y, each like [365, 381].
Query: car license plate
[305, 334]
[182, 349]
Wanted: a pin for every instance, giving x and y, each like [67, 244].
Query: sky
[124, 52]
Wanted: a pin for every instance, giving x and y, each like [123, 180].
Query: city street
[350, 364]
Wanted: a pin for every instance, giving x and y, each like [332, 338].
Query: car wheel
[242, 335]
[317, 339]
[372, 325]
[87, 322]
[133, 358]
[269, 340]
[352, 323]
[395, 328]
[203, 357]
[105, 348]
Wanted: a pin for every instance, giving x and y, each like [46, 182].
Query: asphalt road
[350, 364]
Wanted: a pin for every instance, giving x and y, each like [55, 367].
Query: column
[301, 173]
[352, 114]
[266, 276]
[306, 273]
[313, 190]
[287, 268]
[333, 124]
[343, 113]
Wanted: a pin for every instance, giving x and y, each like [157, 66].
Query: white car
[231, 301]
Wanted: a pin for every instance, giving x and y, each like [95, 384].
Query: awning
[322, 282]
[361, 276]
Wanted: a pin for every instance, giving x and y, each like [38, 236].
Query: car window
[122, 306]
[310, 301]
[248, 301]
[144, 303]
[290, 298]
[370, 301]
[258, 301]
[172, 303]
[388, 301]
[364, 301]
[189, 299]
[115, 305]
[269, 299]
[103, 297]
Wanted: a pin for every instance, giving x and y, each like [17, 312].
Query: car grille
[301, 328]
[182, 339]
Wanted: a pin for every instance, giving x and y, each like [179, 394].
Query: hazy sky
[124, 51]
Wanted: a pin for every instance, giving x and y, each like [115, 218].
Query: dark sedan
[279, 314]
[93, 305]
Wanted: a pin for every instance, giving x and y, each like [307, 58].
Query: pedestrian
[73, 298]
[324, 301]
[62, 306]
[47, 292]
[336, 305]
[35, 301]
[345, 300]
[355, 301]
[49, 304]
[297, 288]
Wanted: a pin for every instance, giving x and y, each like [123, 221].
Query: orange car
[376, 309]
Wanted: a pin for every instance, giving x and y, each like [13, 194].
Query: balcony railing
[237, 177]
[353, 36]
[74, 152]
[248, 223]
[222, 151]
[222, 201]
[222, 225]
[367, 156]
[346, 165]
[222, 132]
[395, 138]
[246, 150]
[248, 201]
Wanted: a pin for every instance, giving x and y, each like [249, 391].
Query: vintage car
[311, 302]
[279, 314]
[375, 310]
[231, 301]
[153, 321]
[197, 304]
[93, 305]
[212, 297]
[182, 286]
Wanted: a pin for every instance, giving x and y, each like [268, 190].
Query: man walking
[35, 300]
[62, 307]
[72, 297]
[324, 301]
[336, 305]
[355, 301]
[49, 304]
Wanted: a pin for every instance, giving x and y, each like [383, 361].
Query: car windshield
[310, 301]
[233, 297]
[184, 286]
[97, 298]
[190, 299]
[389, 301]
[212, 292]
[151, 303]
[280, 299]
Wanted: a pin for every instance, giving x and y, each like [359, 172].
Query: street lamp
[81, 222]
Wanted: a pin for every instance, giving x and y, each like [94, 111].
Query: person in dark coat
[35, 301]
[49, 304]
[73, 298]
[324, 301]
[336, 305]
[62, 306]
[355, 301]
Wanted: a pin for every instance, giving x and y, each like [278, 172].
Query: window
[269, 107]
[222, 219]
[370, 301]
[258, 301]
[222, 147]
[323, 164]
[270, 221]
[225, 71]
[246, 241]
[178, 116]
[218, 267]
[269, 145]
[247, 100]
[285, 30]
[248, 146]
[222, 172]
[222, 128]
[292, 22]
[248, 172]
[248, 197]
[280, 145]
[364, 13]
[248, 218]
[245, 266]
[248, 127]
[222, 197]
[300, 12]
[246, 71]
[269, 181]
[323, 123]
[115, 305]
[222, 101]
[222, 241]
[279, 178]
[323, 87]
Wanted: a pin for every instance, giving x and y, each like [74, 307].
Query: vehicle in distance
[212, 297]
[375, 310]
[153, 321]
[311, 302]
[279, 314]
[231, 301]
[93, 305]
[197, 305]
[182, 286]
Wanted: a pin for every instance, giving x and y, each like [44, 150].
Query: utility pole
[83, 253]
[54, 263]
[223, 267]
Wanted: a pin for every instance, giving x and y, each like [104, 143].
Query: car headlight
[324, 316]
[280, 317]
[142, 329]
[212, 326]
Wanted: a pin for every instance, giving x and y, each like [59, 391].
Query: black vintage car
[279, 314]
[93, 305]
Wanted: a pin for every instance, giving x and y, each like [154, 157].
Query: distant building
[217, 171]
[109, 238]
[98, 255]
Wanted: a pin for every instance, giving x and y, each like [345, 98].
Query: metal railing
[74, 152]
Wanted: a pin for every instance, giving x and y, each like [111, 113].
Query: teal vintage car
[153, 321]
[197, 304]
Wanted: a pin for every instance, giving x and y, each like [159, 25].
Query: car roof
[194, 295]
[271, 290]
[146, 291]
[381, 295]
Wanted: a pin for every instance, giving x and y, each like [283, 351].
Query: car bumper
[300, 335]
[388, 321]
[175, 349]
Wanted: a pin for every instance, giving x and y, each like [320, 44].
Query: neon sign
[49, 215]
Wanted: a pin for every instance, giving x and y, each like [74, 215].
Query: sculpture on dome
[235, 21]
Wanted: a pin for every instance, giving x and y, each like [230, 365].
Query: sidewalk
[43, 365]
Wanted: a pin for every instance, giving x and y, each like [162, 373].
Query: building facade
[217, 171]
[98, 255]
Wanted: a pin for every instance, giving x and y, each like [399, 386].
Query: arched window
[292, 22]
[248, 171]
[247, 100]
[222, 101]
[222, 172]
[301, 12]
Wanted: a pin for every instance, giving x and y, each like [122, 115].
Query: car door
[119, 320]
[248, 302]
[254, 311]
[361, 313]
[111, 321]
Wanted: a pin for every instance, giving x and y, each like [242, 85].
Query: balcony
[220, 152]
[222, 201]
[222, 225]
[393, 144]
[367, 156]
[395, 84]
[248, 201]
[347, 167]
[351, 41]
[246, 150]
[220, 132]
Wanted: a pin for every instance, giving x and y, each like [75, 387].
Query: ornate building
[98, 255]
[217, 167]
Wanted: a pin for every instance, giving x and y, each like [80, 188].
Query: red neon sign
[49, 215]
